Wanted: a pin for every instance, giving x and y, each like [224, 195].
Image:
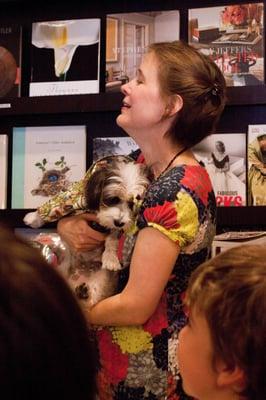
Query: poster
[65, 57]
[257, 165]
[127, 36]
[46, 160]
[233, 37]
[224, 156]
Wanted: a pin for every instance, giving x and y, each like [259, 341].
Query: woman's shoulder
[193, 179]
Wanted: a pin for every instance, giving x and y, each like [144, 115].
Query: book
[107, 146]
[224, 157]
[257, 165]
[65, 57]
[10, 60]
[227, 240]
[127, 36]
[232, 36]
[45, 160]
[3, 170]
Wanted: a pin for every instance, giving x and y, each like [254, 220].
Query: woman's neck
[161, 157]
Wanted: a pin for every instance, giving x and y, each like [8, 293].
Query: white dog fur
[114, 193]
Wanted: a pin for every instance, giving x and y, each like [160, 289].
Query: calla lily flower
[64, 37]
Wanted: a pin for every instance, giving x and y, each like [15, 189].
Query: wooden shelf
[237, 96]
[61, 104]
[234, 218]
[243, 95]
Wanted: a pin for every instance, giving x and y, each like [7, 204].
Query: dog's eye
[130, 204]
[138, 197]
[111, 201]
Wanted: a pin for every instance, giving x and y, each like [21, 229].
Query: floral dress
[140, 362]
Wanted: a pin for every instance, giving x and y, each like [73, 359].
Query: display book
[3, 169]
[65, 57]
[45, 160]
[233, 36]
[109, 146]
[10, 60]
[256, 165]
[138, 30]
[224, 156]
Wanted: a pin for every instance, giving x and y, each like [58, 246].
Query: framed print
[111, 39]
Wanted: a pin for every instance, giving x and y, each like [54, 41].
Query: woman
[172, 104]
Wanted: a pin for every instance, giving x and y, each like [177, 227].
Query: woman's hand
[77, 233]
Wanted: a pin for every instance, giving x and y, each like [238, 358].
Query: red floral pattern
[158, 321]
[198, 181]
[164, 215]
[110, 355]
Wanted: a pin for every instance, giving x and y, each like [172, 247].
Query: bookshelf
[246, 105]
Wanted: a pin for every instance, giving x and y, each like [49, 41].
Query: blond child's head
[222, 350]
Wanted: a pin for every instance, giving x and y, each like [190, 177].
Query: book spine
[3, 170]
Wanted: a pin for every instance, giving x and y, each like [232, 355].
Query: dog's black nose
[118, 224]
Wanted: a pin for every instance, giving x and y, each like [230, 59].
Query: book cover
[65, 57]
[10, 60]
[224, 157]
[46, 160]
[3, 170]
[233, 37]
[108, 146]
[127, 36]
[257, 165]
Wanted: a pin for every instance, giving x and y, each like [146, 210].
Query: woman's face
[143, 106]
[220, 147]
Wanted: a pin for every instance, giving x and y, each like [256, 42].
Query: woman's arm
[77, 233]
[151, 265]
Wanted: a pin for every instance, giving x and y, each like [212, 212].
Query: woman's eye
[111, 201]
[139, 82]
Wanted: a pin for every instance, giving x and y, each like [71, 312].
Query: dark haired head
[45, 350]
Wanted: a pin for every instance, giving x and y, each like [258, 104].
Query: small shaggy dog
[113, 189]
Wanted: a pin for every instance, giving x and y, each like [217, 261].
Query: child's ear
[231, 377]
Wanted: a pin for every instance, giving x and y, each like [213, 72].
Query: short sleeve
[177, 219]
[64, 203]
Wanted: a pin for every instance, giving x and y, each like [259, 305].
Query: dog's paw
[33, 219]
[110, 262]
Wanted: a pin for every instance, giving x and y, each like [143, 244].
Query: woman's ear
[174, 105]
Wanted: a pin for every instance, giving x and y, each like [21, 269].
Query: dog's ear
[146, 172]
[94, 188]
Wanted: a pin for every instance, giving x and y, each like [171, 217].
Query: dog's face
[114, 192]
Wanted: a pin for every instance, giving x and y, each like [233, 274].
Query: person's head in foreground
[222, 350]
[44, 348]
